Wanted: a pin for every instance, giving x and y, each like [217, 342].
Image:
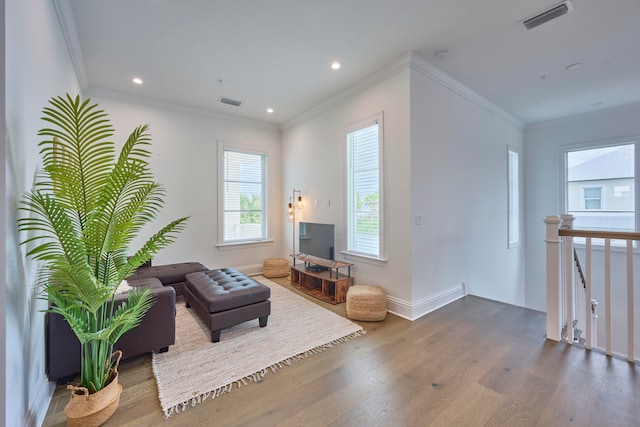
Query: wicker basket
[367, 303]
[88, 410]
[275, 267]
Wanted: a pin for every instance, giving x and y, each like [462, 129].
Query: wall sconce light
[295, 203]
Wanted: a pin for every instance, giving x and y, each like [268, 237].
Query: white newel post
[554, 324]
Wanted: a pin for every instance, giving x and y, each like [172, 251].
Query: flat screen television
[317, 239]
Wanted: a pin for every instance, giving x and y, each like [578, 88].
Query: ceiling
[277, 53]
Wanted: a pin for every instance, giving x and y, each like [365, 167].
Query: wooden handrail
[622, 235]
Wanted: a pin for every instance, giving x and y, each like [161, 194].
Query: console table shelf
[327, 285]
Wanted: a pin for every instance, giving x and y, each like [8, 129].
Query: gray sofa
[156, 332]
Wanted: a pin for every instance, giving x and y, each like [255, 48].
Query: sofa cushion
[225, 289]
[168, 274]
[148, 282]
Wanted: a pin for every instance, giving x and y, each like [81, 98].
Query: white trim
[372, 80]
[514, 241]
[372, 120]
[250, 270]
[414, 310]
[40, 400]
[70, 32]
[227, 146]
[423, 67]
[602, 143]
[151, 102]
[413, 61]
[234, 245]
[367, 259]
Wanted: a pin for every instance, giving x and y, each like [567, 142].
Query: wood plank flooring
[474, 362]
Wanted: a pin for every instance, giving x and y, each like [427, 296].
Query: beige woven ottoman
[366, 302]
[275, 267]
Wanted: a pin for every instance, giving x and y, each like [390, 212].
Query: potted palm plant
[86, 207]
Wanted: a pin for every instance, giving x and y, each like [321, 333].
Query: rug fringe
[257, 376]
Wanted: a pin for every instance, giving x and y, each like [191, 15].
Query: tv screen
[317, 239]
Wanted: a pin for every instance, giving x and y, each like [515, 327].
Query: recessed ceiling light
[137, 80]
[335, 66]
[270, 110]
[574, 66]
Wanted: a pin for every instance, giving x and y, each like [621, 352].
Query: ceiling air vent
[230, 101]
[547, 15]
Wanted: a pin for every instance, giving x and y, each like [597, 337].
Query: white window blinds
[363, 190]
[244, 196]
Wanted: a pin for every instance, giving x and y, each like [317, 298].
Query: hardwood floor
[474, 362]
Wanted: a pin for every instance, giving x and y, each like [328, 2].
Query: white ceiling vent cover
[546, 16]
[230, 101]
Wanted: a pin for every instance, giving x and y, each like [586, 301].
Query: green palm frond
[85, 210]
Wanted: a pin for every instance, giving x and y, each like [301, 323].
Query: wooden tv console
[327, 285]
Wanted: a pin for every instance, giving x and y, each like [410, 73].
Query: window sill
[367, 259]
[237, 245]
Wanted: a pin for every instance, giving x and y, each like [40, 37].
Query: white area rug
[195, 369]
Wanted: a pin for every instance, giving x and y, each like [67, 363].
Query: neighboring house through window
[600, 186]
[592, 197]
[364, 188]
[244, 198]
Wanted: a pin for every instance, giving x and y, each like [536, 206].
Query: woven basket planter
[88, 410]
[367, 303]
[275, 267]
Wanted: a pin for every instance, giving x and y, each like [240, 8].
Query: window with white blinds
[364, 173]
[244, 196]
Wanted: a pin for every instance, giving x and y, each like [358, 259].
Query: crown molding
[420, 65]
[400, 64]
[152, 102]
[70, 32]
[417, 63]
[603, 112]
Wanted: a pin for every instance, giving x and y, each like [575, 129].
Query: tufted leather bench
[225, 297]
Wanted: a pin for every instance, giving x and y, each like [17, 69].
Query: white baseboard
[250, 270]
[39, 403]
[415, 310]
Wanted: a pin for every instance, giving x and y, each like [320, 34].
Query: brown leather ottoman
[226, 297]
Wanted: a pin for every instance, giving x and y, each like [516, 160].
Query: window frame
[222, 149]
[514, 224]
[563, 193]
[378, 119]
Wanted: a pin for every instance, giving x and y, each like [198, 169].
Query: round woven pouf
[366, 302]
[275, 267]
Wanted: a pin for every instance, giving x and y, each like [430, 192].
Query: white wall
[543, 143]
[185, 161]
[458, 157]
[314, 162]
[445, 158]
[38, 67]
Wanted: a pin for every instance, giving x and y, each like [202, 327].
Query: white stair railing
[561, 299]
